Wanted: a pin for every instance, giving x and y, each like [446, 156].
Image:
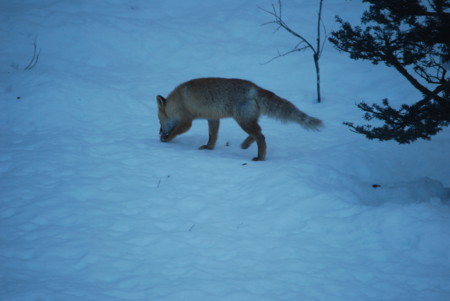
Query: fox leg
[254, 130]
[213, 125]
[247, 142]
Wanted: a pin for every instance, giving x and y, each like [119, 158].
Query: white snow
[94, 207]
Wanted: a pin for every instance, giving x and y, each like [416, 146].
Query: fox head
[172, 123]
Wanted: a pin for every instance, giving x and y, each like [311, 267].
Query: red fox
[216, 98]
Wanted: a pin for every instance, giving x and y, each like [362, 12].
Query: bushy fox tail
[279, 108]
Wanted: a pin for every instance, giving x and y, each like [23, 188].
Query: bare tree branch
[35, 58]
[295, 49]
[276, 13]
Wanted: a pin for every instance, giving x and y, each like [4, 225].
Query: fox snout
[164, 138]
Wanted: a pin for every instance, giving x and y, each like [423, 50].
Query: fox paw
[258, 159]
[247, 142]
[206, 147]
[245, 145]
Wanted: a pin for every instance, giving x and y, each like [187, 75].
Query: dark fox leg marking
[213, 126]
[247, 142]
[254, 130]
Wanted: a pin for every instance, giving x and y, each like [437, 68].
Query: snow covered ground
[94, 207]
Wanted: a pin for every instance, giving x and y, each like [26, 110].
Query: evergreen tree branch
[403, 33]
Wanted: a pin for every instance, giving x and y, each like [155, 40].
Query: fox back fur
[216, 98]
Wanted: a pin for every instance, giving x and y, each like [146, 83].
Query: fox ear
[161, 101]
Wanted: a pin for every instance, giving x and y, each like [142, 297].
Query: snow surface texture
[94, 207]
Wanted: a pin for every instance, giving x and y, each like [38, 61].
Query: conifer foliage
[412, 36]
